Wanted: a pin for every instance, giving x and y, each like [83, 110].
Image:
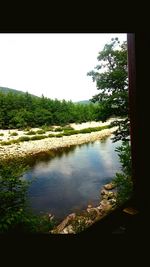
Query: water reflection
[72, 178]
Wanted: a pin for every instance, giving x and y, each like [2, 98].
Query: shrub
[13, 198]
[40, 132]
[59, 129]
[51, 135]
[123, 180]
[124, 187]
[71, 132]
[94, 129]
[38, 137]
[59, 135]
[27, 129]
[75, 131]
[5, 143]
[47, 128]
[1, 134]
[67, 128]
[86, 130]
[24, 138]
[31, 133]
[79, 224]
[13, 134]
[15, 141]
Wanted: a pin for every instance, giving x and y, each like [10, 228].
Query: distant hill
[7, 90]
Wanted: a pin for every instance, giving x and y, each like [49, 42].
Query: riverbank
[52, 143]
[76, 223]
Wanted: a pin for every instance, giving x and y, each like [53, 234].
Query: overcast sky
[54, 65]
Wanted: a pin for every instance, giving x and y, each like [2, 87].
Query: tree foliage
[111, 77]
[15, 215]
[123, 179]
[25, 110]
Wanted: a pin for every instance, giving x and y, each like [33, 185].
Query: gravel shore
[33, 147]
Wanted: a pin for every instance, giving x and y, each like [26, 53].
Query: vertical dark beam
[139, 105]
[132, 106]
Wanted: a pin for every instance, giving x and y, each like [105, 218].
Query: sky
[54, 65]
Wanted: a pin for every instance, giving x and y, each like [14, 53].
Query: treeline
[23, 110]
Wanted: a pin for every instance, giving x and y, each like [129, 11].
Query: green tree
[123, 179]
[15, 212]
[23, 110]
[111, 77]
[12, 195]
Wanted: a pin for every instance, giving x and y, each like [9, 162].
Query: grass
[40, 132]
[64, 128]
[59, 129]
[6, 143]
[14, 134]
[67, 128]
[71, 132]
[59, 135]
[24, 138]
[38, 137]
[31, 133]
[95, 129]
[1, 134]
[67, 132]
[27, 129]
[15, 141]
[51, 135]
[47, 128]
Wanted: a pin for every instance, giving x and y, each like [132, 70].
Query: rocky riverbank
[76, 223]
[52, 143]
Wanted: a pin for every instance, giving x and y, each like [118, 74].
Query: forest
[25, 110]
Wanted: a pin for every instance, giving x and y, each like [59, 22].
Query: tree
[123, 179]
[12, 195]
[15, 213]
[23, 110]
[111, 80]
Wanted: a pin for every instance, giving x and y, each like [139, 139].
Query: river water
[71, 179]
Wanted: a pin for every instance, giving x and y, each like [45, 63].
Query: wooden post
[132, 105]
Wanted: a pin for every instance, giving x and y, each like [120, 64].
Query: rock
[110, 194]
[68, 230]
[107, 194]
[112, 201]
[104, 192]
[64, 223]
[94, 213]
[105, 197]
[51, 217]
[131, 211]
[109, 186]
[105, 205]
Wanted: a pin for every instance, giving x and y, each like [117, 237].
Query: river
[69, 180]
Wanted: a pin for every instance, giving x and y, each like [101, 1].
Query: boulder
[64, 223]
[109, 186]
[112, 201]
[89, 206]
[104, 192]
[68, 230]
[105, 205]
